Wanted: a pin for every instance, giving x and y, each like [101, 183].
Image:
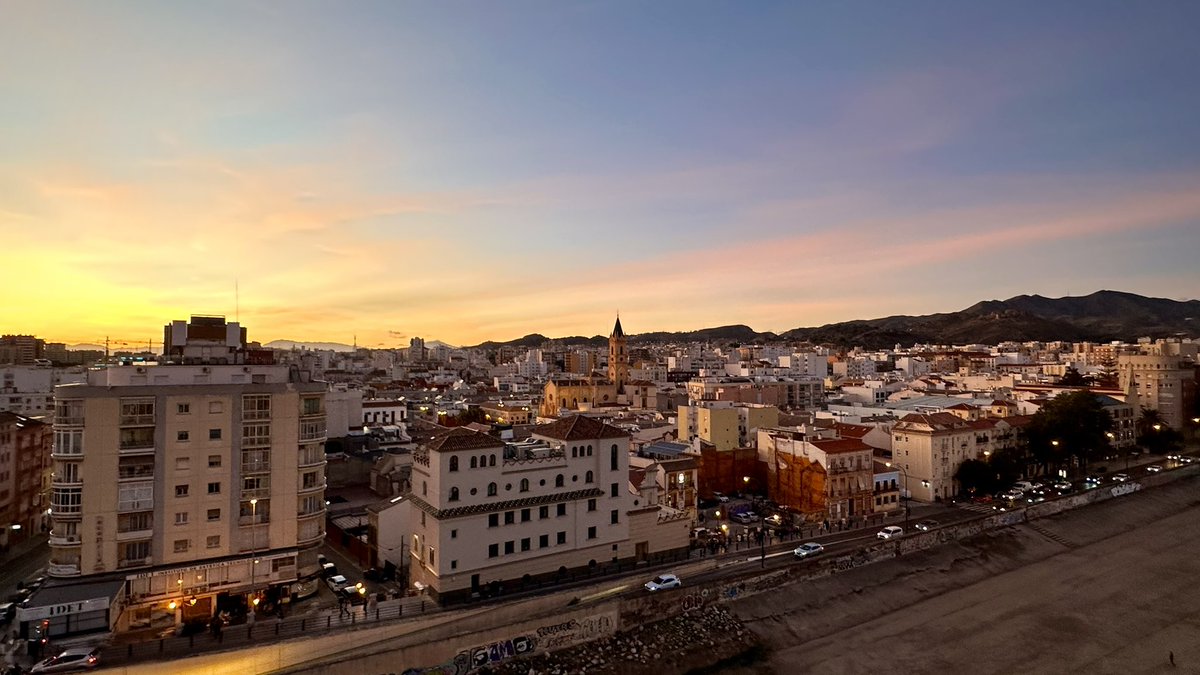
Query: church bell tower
[618, 357]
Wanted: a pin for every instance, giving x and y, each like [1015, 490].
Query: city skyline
[465, 173]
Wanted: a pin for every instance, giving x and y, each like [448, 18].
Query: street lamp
[904, 498]
[253, 547]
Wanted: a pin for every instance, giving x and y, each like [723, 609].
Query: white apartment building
[1163, 383]
[490, 516]
[29, 390]
[179, 491]
[929, 448]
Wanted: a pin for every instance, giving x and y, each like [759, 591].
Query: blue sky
[469, 171]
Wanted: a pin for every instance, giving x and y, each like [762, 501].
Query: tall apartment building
[929, 448]
[24, 475]
[490, 516]
[1163, 383]
[21, 350]
[179, 491]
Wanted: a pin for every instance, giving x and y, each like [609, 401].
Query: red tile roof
[579, 428]
[461, 438]
[841, 445]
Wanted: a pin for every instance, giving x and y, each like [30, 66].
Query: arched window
[454, 464]
[474, 463]
[491, 460]
[524, 485]
[453, 494]
[483, 461]
[588, 477]
[491, 490]
[573, 452]
[558, 480]
[589, 450]
[613, 457]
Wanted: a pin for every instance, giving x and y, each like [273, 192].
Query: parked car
[75, 658]
[1062, 485]
[663, 582]
[1120, 477]
[1186, 459]
[808, 550]
[774, 520]
[1154, 468]
[745, 517]
[7, 611]
[721, 497]
[1012, 495]
[336, 583]
[890, 532]
[926, 525]
[1022, 486]
[328, 570]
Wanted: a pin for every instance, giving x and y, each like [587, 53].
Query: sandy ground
[1112, 588]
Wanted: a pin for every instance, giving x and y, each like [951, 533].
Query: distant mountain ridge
[1099, 317]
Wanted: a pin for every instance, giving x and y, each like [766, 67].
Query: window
[214, 461]
[558, 480]
[181, 490]
[310, 504]
[134, 522]
[213, 541]
[181, 464]
[543, 541]
[183, 408]
[589, 450]
[613, 490]
[508, 547]
[453, 494]
[543, 512]
[256, 407]
[591, 505]
[256, 483]
[510, 517]
[588, 477]
[181, 436]
[525, 515]
[181, 518]
[493, 520]
[562, 537]
[491, 490]
[214, 515]
[614, 516]
[309, 480]
[493, 550]
[214, 434]
[526, 544]
[454, 534]
[256, 435]
[310, 405]
[562, 509]
[133, 553]
[524, 485]
[613, 457]
[181, 545]
[422, 519]
[492, 460]
[454, 464]
[424, 488]
[137, 412]
[592, 532]
[453, 564]
[432, 556]
[474, 463]
[214, 488]
[216, 407]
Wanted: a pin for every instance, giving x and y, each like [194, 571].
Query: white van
[1023, 485]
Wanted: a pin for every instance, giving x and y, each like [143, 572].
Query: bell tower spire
[618, 357]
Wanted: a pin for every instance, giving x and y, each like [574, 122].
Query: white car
[1153, 468]
[662, 582]
[74, 658]
[337, 582]
[808, 550]
[1120, 477]
[890, 532]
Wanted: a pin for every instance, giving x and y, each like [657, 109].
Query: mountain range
[1099, 317]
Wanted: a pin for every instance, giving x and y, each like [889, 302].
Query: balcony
[59, 452]
[130, 505]
[65, 481]
[133, 535]
[141, 471]
[137, 420]
[63, 569]
[312, 488]
[256, 493]
[249, 521]
[315, 460]
[256, 467]
[64, 540]
[68, 421]
[134, 562]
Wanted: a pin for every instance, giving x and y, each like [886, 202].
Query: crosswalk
[977, 508]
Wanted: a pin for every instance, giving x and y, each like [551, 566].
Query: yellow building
[568, 392]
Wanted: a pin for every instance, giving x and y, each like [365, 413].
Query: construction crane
[132, 345]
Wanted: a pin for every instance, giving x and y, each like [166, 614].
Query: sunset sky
[484, 170]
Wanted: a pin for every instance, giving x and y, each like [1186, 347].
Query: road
[1105, 589]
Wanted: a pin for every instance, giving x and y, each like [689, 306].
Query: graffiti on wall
[548, 637]
[1126, 489]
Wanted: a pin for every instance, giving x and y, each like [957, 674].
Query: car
[1022, 486]
[1035, 497]
[7, 611]
[809, 549]
[774, 520]
[328, 570]
[890, 532]
[1092, 482]
[1187, 459]
[1153, 468]
[721, 497]
[75, 658]
[1120, 477]
[354, 595]
[1012, 495]
[926, 525]
[1061, 485]
[1174, 456]
[663, 582]
[336, 583]
[745, 518]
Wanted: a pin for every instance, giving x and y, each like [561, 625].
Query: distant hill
[289, 344]
[85, 346]
[1099, 317]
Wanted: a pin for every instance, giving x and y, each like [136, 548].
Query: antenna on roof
[237, 302]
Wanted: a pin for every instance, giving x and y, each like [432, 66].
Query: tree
[1072, 378]
[1069, 430]
[975, 478]
[1155, 436]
